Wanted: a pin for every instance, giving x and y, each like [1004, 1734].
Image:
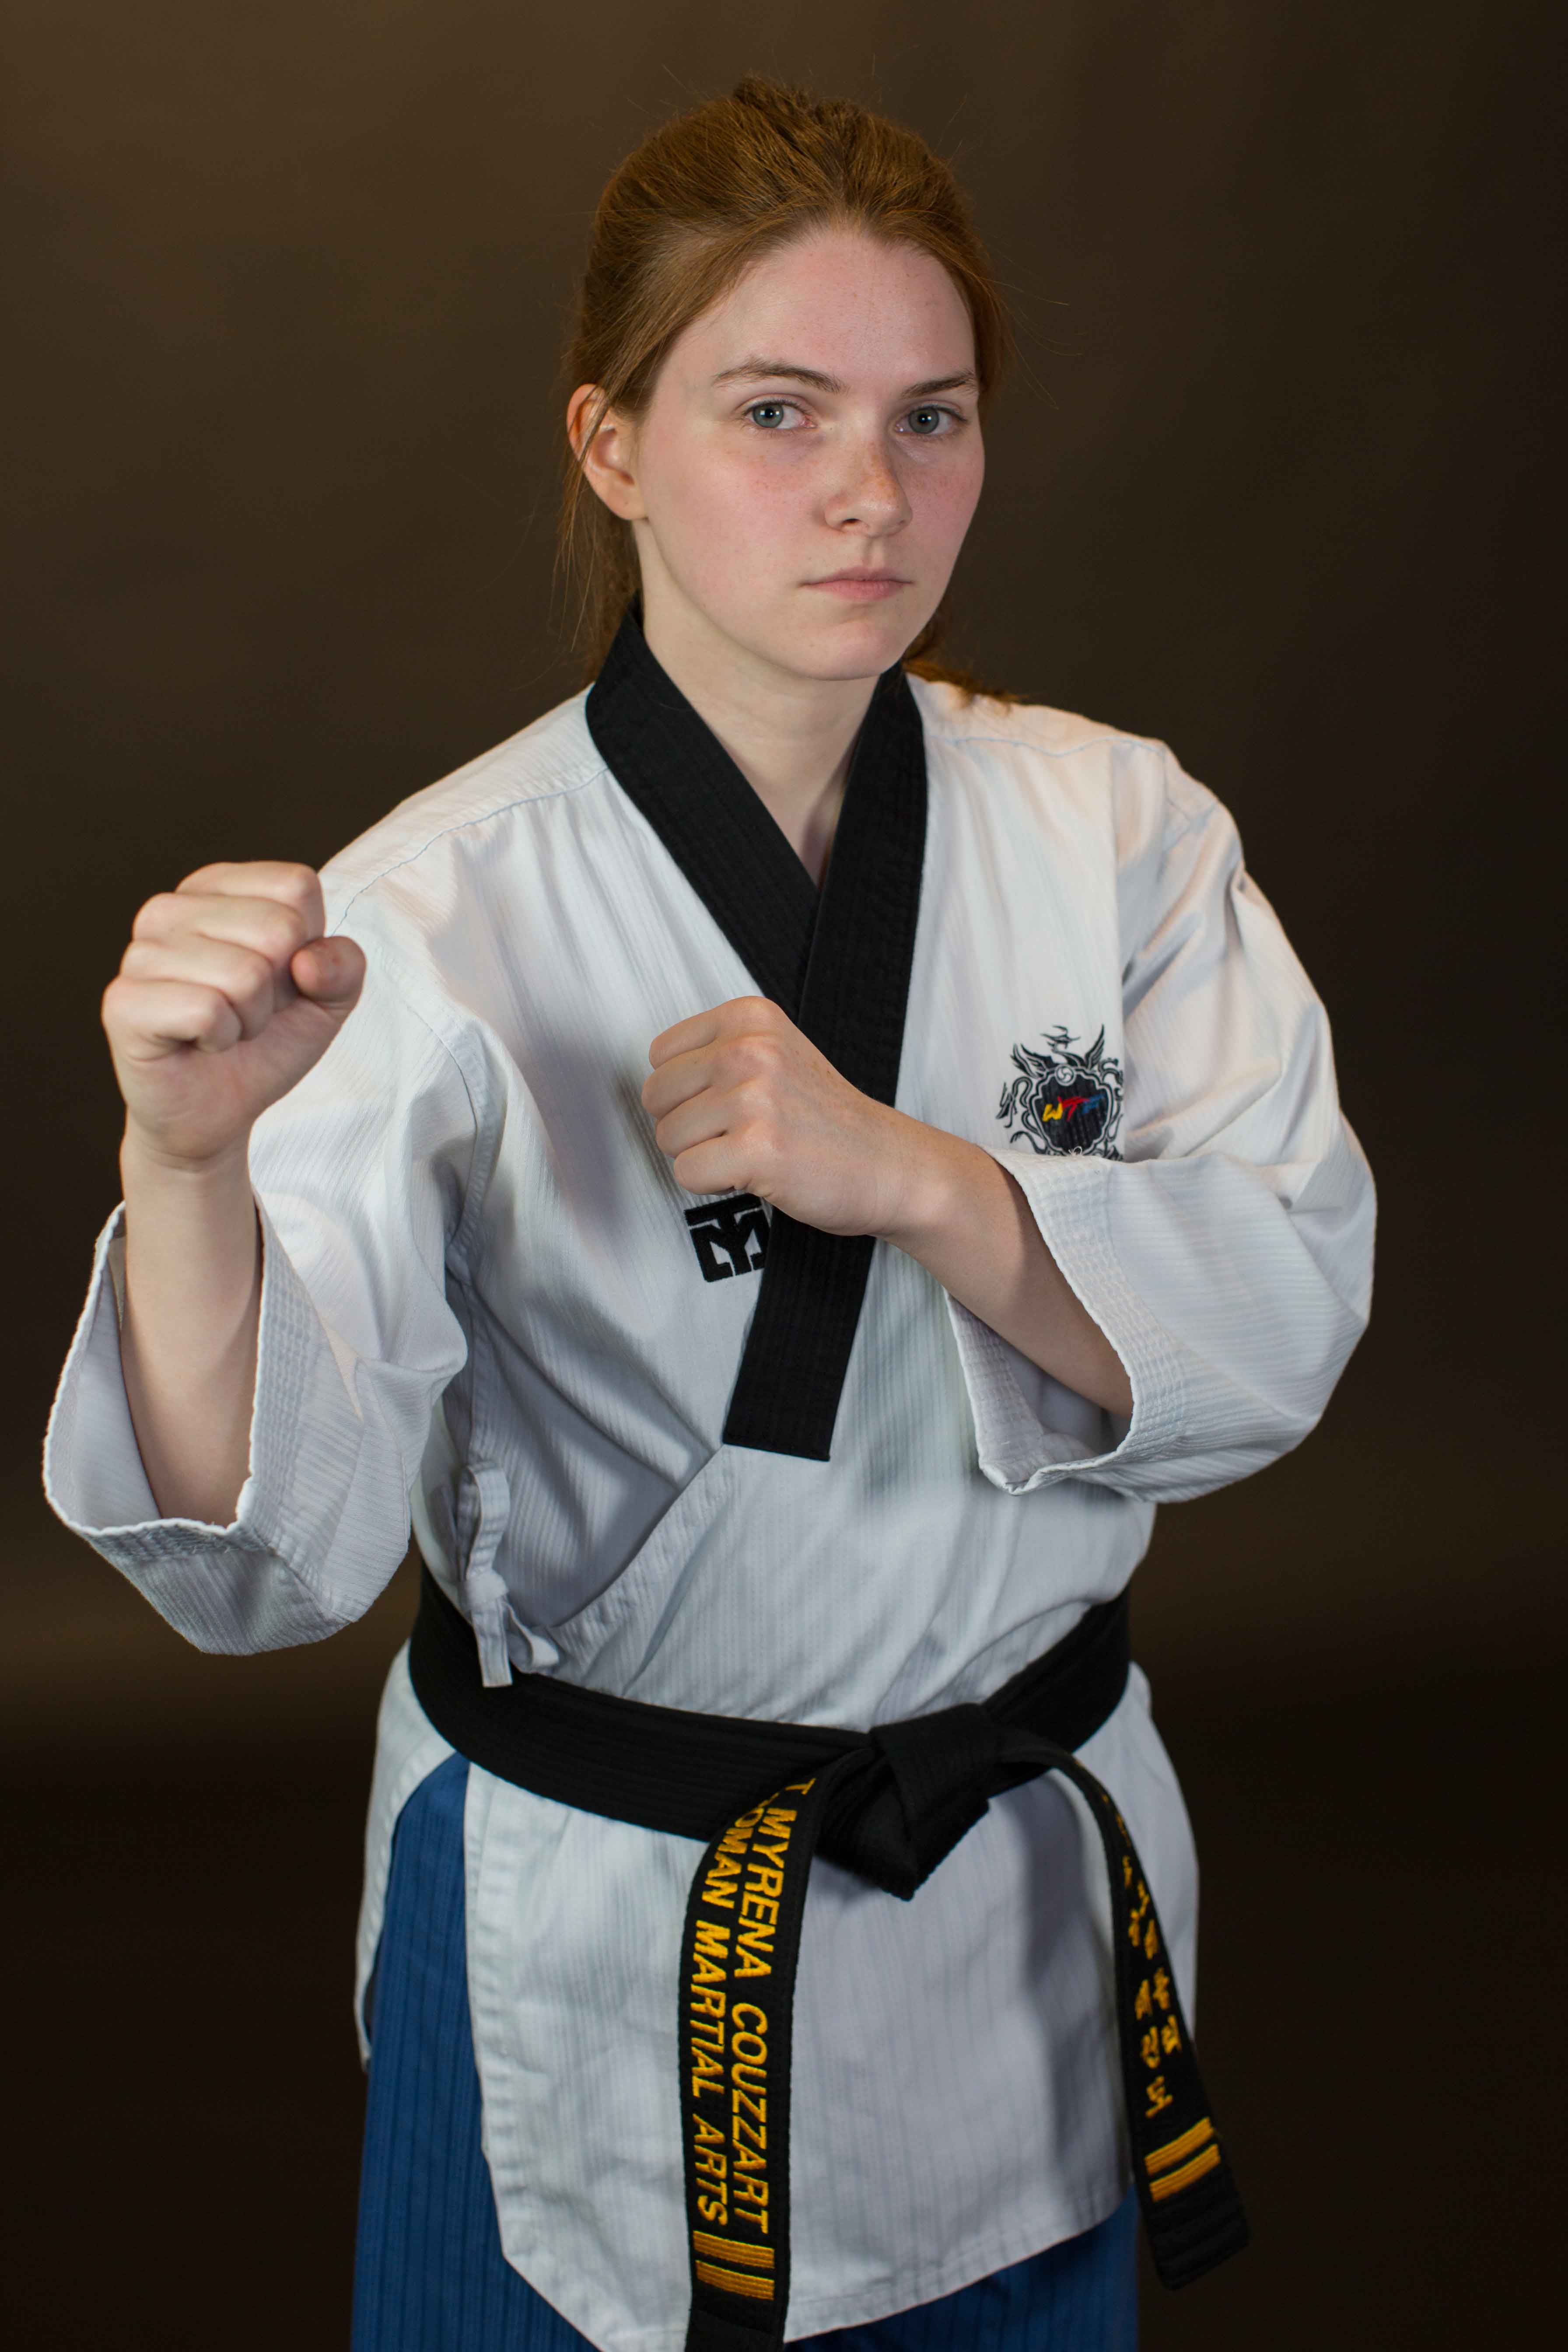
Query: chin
[850, 645]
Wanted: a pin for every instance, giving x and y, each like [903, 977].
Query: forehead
[841, 302]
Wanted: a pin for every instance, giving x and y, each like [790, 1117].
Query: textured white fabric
[481, 1296]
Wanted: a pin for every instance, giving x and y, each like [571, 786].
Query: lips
[861, 587]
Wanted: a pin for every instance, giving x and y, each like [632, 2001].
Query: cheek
[716, 499]
[951, 495]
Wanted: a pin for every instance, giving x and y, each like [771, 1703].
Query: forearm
[188, 1343]
[966, 1221]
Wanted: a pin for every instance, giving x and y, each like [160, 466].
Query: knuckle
[750, 1060]
[156, 915]
[284, 931]
[295, 887]
[143, 959]
[248, 974]
[214, 1015]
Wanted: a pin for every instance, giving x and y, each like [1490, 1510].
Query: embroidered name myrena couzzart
[1064, 1101]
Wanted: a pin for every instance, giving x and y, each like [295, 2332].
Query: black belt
[889, 1804]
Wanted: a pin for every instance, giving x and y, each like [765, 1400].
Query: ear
[606, 453]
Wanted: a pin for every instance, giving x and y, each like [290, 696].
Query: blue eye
[929, 430]
[766, 412]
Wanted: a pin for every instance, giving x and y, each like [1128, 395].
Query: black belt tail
[738, 1956]
[1192, 2212]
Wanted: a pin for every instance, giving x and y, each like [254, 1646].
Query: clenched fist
[745, 1103]
[226, 996]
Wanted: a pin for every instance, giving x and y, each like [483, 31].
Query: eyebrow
[771, 371]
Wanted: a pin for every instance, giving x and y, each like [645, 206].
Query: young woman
[779, 1168]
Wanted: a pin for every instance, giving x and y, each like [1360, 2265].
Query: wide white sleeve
[362, 1176]
[1227, 1258]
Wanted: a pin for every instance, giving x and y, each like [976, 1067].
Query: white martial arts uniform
[481, 1291]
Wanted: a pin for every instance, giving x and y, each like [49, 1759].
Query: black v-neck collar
[719, 831]
[838, 962]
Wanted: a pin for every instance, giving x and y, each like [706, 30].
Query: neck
[791, 736]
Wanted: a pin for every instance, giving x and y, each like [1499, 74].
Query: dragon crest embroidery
[1064, 1101]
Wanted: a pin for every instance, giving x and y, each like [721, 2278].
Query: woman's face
[819, 422]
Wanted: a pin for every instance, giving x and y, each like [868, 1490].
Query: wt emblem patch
[729, 1236]
[1062, 1101]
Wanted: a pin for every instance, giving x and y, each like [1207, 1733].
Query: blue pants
[430, 2275]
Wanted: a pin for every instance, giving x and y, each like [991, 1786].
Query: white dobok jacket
[484, 1302]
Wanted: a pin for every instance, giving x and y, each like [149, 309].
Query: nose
[869, 493]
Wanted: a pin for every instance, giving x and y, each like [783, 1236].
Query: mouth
[861, 586]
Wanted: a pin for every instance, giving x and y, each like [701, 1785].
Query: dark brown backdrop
[1269, 484]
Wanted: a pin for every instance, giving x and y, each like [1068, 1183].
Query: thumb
[331, 972]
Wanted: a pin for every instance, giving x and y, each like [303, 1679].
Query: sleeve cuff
[1029, 1430]
[250, 1585]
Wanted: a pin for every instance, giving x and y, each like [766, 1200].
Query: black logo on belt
[729, 1236]
[1062, 1101]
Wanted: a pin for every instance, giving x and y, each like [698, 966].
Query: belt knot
[902, 1802]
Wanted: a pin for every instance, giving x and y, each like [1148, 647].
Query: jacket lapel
[838, 963]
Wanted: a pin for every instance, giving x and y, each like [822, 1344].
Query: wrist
[145, 1159]
[936, 1172]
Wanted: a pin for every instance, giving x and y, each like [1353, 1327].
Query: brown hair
[704, 196]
